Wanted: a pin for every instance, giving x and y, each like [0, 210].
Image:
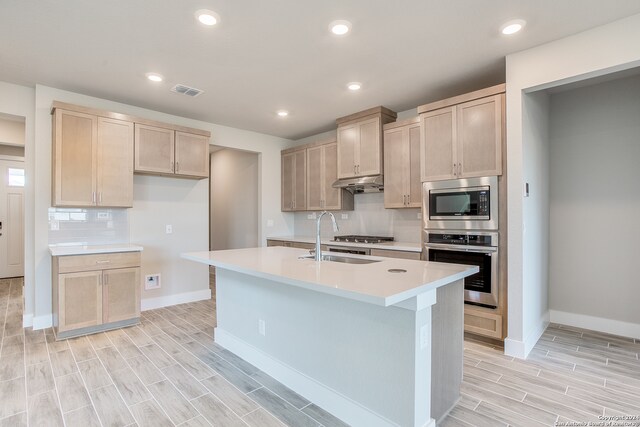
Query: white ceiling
[278, 54]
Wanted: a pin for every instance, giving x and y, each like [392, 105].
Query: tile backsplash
[93, 226]
[368, 217]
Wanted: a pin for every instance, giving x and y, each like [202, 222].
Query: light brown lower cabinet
[483, 322]
[93, 293]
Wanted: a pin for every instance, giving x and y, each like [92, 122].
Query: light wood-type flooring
[168, 371]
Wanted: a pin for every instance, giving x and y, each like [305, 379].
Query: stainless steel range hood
[363, 184]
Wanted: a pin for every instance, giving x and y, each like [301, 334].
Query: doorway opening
[233, 201]
[12, 181]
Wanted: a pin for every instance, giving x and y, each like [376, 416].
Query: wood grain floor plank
[111, 409]
[239, 402]
[542, 416]
[172, 402]
[111, 359]
[216, 412]
[82, 349]
[44, 410]
[73, 392]
[18, 420]
[278, 388]
[261, 418]
[194, 366]
[157, 356]
[12, 397]
[83, 417]
[145, 370]
[475, 418]
[281, 409]
[129, 386]
[39, 378]
[184, 381]
[63, 363]
[94, 374]
[507, 415]
[149, 414]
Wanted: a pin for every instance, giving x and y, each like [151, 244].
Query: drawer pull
[103, 262]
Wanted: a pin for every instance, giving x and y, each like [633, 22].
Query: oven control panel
[462, 239]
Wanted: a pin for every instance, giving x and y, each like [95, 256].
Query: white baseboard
[42, 322]
[339, 405]
[27, 320]
[167, 300]
[521, 349]
[600, 324]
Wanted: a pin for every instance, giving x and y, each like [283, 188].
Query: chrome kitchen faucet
[318, 256]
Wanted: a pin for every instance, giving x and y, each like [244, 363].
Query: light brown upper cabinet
[322, 172]
[92, 160]
[161, 151]
[294, 173]
[462, 137]
[360, 142]
[402, 185]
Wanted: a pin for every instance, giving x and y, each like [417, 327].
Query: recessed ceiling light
[283, 113]
[340, 27]
[513, 26]
[354, 86]
[207, 17]
[154, 77]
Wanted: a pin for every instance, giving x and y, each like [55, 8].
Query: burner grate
[362, 239]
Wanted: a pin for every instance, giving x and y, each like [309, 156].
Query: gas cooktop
[362, 239]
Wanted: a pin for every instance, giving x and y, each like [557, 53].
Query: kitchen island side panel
[364, 352]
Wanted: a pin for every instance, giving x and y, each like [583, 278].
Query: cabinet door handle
[93, 197]
[358, 169]
[103, 262]
[171, 167]
[105, 278]
[177, 166]
[454, 170]
[100, 197]
[459, 169]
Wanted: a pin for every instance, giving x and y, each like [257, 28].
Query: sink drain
[397, 270]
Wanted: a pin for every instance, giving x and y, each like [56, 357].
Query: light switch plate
[269, 223]
[345, 216]
[168, 229]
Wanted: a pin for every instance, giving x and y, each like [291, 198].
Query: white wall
[11, 130]
[19, 101]
[595, 207]
[598, 51]
[535, 277]
[157, 201]
[234, 200]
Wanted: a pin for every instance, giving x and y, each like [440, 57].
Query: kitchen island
[376, 344]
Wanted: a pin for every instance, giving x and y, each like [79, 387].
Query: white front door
[11, 218]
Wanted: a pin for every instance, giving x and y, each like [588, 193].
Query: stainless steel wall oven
[471, 248]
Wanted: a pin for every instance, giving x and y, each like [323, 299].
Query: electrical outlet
[345, 216]
[152, 281]
[55, 225]
[269, 223]
[312, 215]
[262, 327]
[168, 229]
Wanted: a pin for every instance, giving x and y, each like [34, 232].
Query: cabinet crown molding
[387, 114]
[119, 116]
[482, 93]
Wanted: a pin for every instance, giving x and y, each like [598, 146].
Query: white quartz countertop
[392, 246]
[371, 283]
[63, 250]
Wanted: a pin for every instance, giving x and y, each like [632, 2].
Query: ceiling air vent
[186, 90]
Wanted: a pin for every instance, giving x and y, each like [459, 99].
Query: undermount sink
[343, 259]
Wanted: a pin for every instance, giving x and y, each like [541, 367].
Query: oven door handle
[488, 250]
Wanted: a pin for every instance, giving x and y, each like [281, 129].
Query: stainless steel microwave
[461, 204]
